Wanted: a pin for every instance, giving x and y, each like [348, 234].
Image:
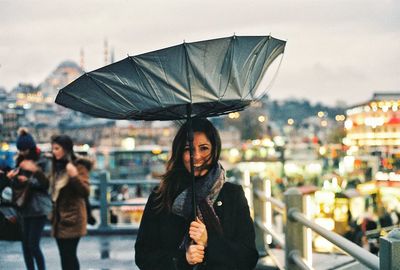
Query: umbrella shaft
[190, 138]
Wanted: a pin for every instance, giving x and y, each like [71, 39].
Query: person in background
[385, 220]
[30, 192]
[88, 166]
[222, 236]
[123, 194]
[69, 184]
[7, 161]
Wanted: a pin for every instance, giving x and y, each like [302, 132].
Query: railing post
[296, 240]
[248, 189]
[389, 251]
[103, 177]
[267, 189]
[259, 214]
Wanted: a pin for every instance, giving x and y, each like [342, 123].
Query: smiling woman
[221, 237]
[201, 154]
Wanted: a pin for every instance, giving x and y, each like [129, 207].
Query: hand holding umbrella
[198, 232]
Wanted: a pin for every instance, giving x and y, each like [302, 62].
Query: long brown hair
[176, 175]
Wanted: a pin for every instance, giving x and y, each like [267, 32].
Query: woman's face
[202, 149]
[58, 151]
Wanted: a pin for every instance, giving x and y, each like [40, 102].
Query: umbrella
[186, 81]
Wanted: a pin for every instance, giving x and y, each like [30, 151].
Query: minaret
[112, 56]
[105, 52]
[82, 59]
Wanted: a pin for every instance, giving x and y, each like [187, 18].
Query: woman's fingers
[195, 254]
[198, 232]
[12, 173]
[195, 232]
[197, 223]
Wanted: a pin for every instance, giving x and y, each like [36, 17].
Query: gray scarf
[207, 190]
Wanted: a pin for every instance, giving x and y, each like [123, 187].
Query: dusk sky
[336, 50]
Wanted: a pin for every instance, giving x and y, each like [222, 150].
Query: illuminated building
[375, 125]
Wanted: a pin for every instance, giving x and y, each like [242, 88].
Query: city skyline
[344, 50]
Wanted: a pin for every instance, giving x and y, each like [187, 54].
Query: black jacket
[160, 234]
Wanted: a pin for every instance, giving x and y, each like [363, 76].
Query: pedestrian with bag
[30, 195]
[222, 236]
[10, 228]
[69, 181]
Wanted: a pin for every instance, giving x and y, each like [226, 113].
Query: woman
[30, 185]
[222, 237]
[69, 188]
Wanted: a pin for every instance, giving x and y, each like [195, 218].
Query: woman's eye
[204, 148]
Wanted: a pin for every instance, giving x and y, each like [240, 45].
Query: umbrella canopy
[214, 76]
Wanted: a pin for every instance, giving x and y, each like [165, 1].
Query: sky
[342, 50]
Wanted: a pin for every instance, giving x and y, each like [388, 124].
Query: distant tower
[112, 56]
[82, 59]
[105, 52]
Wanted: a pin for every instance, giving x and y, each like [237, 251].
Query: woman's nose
[196, 155]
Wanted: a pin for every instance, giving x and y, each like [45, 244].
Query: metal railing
[297, 232]
[104, 202]
[287, 224]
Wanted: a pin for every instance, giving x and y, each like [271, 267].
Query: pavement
[116, 252]
[95, 252]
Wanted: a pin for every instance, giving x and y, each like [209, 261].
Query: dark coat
[160, 235]
[69, 216]
[38, 186]
[37, 201]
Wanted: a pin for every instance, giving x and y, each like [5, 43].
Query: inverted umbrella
[191, 80]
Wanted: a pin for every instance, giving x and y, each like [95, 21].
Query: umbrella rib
[233, 38]
[187, 58]
[100, 85]
[140, 71]
[230, 72]
[267, 43]
[258, 48]
[138, 93]
[272, 80]
[166, 78]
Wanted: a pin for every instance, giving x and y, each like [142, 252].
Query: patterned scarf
[207, 190]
